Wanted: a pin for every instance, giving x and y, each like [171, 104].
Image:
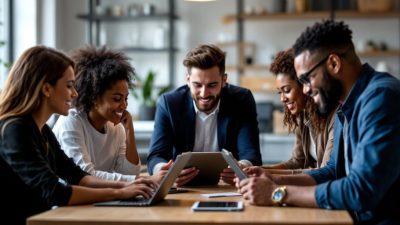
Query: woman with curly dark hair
[314, 132]
[98, 134]
[35, 174]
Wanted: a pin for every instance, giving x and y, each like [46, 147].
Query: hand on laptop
[186, 175]
[141, 186]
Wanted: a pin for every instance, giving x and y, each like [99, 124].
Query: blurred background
[156, 35]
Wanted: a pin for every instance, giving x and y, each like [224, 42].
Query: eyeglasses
[304, 78]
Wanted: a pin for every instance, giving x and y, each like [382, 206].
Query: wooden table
[176, 209]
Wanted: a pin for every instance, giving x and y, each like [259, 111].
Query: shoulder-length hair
[22, 90]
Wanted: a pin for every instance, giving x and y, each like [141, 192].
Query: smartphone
[175, 190]
[218, 206]
[233, 164]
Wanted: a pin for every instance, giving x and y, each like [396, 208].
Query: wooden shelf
[312, 15]
[388, 53]
[258, 83]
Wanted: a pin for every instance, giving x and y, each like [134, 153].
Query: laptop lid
[161, 191]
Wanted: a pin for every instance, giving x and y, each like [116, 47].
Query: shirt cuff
[245, 163]
[128, 178]
[322, 195]
[158, 167]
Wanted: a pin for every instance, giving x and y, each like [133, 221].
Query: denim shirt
[371, 189]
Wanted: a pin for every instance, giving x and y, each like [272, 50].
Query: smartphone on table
[218, 206]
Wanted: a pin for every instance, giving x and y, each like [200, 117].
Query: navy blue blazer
[174, 128]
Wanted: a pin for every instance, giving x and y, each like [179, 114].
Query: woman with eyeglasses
[314, 132]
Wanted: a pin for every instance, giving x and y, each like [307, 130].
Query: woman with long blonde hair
[32, 165]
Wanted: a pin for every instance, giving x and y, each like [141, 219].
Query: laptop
[161, 191]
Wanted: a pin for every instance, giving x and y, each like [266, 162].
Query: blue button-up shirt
[371, 189]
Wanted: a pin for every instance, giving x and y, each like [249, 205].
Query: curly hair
[328, 36]
[97, 69]
[284, 64]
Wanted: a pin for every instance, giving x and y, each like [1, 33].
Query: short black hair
[97, 69]
[327, 35]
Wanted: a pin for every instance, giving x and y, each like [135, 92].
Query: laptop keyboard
[136, 201]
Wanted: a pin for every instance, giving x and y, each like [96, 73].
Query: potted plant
[147, 95]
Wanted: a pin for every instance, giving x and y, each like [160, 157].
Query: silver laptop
[161, 191]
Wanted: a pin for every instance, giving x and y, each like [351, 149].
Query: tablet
[217, 206]
[210, 165]
[233, 164]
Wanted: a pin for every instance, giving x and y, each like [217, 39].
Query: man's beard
[210, 107]
[329, 92]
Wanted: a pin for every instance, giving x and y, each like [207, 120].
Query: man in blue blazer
[207, 114]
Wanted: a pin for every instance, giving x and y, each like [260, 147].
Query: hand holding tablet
[234, 164]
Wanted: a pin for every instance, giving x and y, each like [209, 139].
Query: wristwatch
[278, 195]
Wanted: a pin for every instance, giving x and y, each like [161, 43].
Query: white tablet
[218, 206]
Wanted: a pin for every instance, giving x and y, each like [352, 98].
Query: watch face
[278, 196]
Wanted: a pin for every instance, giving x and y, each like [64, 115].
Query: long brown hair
[284, 64]
[37, 65]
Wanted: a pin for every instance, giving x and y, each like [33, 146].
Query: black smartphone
[218, 206]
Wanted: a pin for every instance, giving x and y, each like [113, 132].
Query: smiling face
[110, 105]
[62, 93]
[322, 87]
[205, 87]
[291, 93]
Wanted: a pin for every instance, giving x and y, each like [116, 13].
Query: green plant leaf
[147, 88]
[147, 94]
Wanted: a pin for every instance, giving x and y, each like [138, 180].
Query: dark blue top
[174, 128]
[32, 166]
[371, 190]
